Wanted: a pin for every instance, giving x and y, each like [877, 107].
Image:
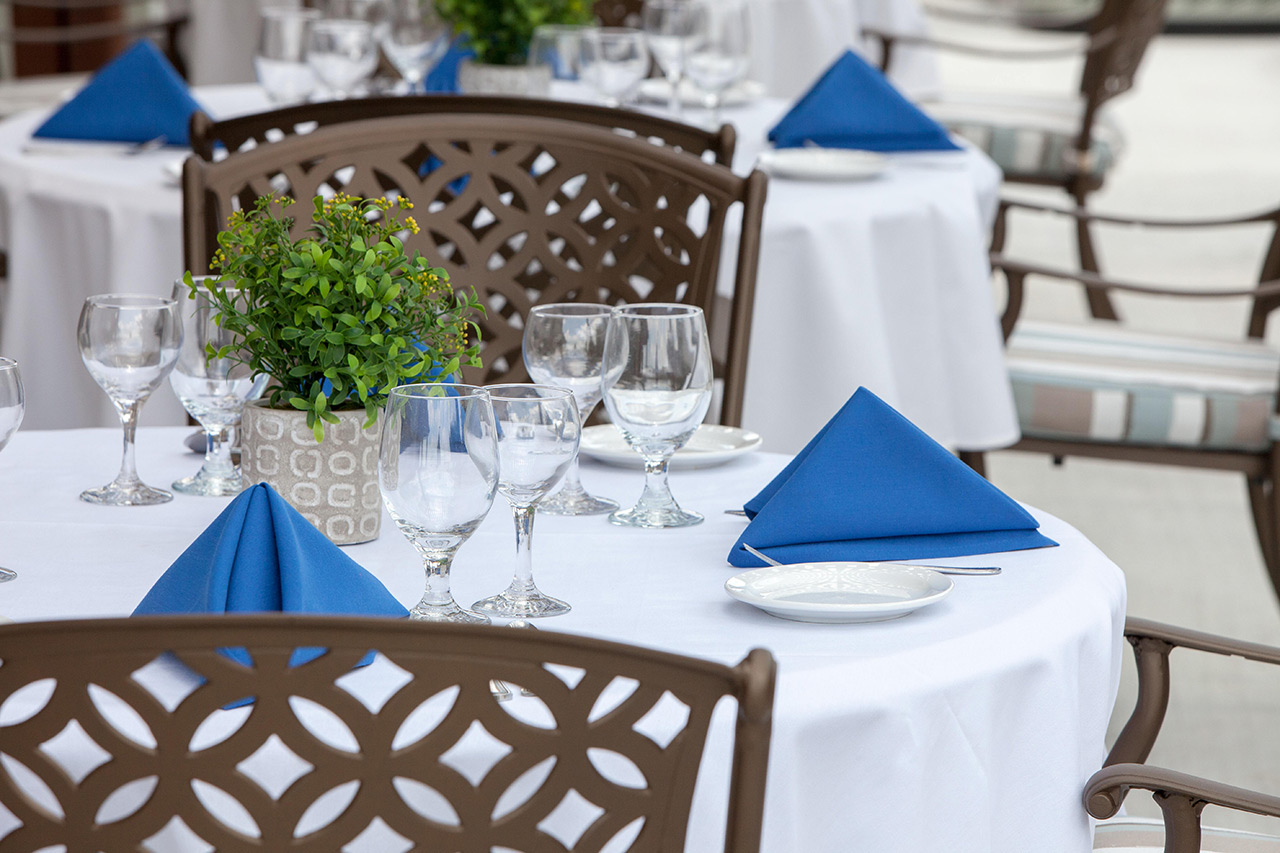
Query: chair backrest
[63, 36]
[234, 134]
[619, 13]
[1129, 25]
[526, 210]
[268, 732]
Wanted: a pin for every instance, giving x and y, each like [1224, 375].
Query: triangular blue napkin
[135, 97]
[872, 486]
[443, 79]
[853, 106]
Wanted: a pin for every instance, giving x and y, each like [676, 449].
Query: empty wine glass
[342, 53]
[614, 60]
[438, 471]
[416, 40]
[12, 405]
[669, 26]
[719, 52]
[213, 390]
[129, 343]
[280, 62]
[564, 346]
[657, 388]
[538, 431]
[559, 47]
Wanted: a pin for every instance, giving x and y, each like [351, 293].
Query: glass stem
[437, 593]
[523, 581]
[572, 485]
[676, 106]
[657, 492]
[217, 452]
[128, 475]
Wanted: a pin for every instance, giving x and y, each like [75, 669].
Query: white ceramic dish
[710, 445]
[823, 164]
[839, 592]
[656, 90]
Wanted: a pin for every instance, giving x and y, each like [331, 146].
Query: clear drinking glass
[12, 405]
[614, 60]
[280, 61]
[559, 47]
[657, 388]
[670, 28]
[720, 50]
[129, 343]
[212, 390]
[538, 431]
[416, 40]
[342, 53]
[564, 346]
[438, 471]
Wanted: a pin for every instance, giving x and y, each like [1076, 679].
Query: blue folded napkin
[872, 486]
[443, 79]
[135, 97]
[853, 105]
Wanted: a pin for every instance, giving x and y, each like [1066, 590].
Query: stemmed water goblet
[12, 405]
[538, 432]
[416, 40]
[438, 471]
[559, 48]
[342, 53]
[564, 346]
[129, 343]
[657, 388]
[670, 27]
[212, 386]
[280, 62]
[719, 53]
[614, 60]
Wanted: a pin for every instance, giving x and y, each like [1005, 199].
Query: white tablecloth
[882, 283]
[969, 726]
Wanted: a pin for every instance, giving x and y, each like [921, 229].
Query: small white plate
[839, 592]
[656, 90]
[710, 445]
[823, 164]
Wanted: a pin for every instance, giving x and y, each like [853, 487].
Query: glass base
[655, 518]
[7, 575]
[114, 494]
[450, 612]
[580, 504]
[521, 606]
[202, 483]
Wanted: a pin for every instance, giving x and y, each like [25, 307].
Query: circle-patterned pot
[333, 483]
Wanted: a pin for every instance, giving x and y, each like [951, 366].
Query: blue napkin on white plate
[135, 97]
[872, 486]
[853, 105]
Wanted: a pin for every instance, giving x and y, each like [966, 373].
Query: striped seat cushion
[1126, 834]
[1101, 382]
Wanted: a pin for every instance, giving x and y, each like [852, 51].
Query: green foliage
[500, 30]
[342, 315]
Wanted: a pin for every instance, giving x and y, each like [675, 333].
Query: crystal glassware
[129, 343]
[342, 53]
[212, 389]
[438, 471]
[12, 405]
[670, 27]
[614, 60]
[538, 432]
[564, 346]
[657, 388]
[559, 47]
[719, 52]
[280, 62]
[416, 40]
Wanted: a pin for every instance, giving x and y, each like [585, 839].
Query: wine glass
[657, 388]
[614, 60]
[129, 343]
[538, 431]
[12, 405]
[720, 50]
[438, 471]
[280, 62]
[669, 26]
[559, 47]
[213, 390]
[416, 40]
[564, 346]
[342, 53]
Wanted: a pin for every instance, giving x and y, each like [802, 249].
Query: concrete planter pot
[334, 483]
[527, 81]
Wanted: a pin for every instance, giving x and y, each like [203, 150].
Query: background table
[968, 726]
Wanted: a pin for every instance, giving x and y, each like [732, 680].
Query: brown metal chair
[65, 36]
[526, 210]
[1053, 141]
[1103, 391]
[1181, 797]
[235, 134]
[414, 745]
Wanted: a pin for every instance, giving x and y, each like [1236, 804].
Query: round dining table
[969, 725]
[880, 282]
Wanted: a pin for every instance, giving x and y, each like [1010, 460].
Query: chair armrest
[1200, 641]
[888, 39]
[1106, 790]
[1085, 216]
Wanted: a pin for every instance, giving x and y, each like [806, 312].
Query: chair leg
[975, 459]
[1100, 306]
[1266, 519]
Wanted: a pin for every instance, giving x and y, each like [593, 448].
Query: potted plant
[499, 33]
[336, 318]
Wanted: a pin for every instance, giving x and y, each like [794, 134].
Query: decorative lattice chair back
[274, 733]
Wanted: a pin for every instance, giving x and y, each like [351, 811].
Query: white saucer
[823, 164]
[710, 445]
[839, 592]
[656, 90]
